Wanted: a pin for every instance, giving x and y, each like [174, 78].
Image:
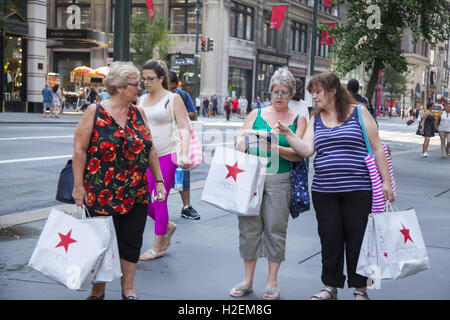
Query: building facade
[246, 51]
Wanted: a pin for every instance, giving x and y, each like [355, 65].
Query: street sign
[185, 61]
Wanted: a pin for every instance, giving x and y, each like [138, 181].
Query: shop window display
[12, 68]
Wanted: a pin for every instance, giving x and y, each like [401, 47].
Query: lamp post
[197, 30]
[310, 73]
[122, 13]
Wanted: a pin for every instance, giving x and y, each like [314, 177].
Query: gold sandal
[151, 254]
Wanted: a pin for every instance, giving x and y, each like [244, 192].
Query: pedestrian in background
[234, 106]
[427, 128]
[341, 193]
[187, 212]
[227, 107]
[47, 100]
[103, 95]
[198, 104]
[297, 104]
[160, 107]
[56, 101]
[205, 107]
[215, 105]
[444, 130]
[265, 235]
[353, 88]
[109, 166]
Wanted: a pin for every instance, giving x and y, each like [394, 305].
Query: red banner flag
[327, 3]
[326, 38]
[150, 9]
[276, 21]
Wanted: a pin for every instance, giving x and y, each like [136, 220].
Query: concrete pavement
[203, 261]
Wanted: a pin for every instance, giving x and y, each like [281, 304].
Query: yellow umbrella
[102, 71]
[83, 70]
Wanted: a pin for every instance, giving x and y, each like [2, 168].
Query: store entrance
[65, 62]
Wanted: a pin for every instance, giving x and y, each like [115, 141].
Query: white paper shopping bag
[235, 182]
[70, 250]
[400, 245]
[368, 255]
[110, 266]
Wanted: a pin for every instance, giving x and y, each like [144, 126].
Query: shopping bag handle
[84, 212]
[390, 207]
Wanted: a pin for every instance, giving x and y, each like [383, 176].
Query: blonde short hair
[118, 75]
[283, 77]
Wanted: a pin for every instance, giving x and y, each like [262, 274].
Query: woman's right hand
[282, 129]
[79, 195]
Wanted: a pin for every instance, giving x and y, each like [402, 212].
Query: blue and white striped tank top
[340, 151]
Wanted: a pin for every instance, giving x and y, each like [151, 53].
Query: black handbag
[65, 182]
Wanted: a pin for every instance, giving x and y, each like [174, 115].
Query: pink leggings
[158, 210]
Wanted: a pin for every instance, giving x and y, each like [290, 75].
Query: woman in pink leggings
[165, 113]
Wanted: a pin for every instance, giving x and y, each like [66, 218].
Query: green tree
[394, 82]
[362, 40]
[147, 35]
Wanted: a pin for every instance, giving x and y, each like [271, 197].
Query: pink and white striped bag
[378, 202]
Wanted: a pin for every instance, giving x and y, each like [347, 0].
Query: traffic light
[210, 44]
[203, 44]
[180, 83]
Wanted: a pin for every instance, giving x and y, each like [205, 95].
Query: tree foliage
[359, 40]
[394, 82]
[147, 35]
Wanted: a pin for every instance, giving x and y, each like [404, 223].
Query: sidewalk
[203, 261]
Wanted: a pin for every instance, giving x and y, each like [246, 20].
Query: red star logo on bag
[406, 234]
[66, 240]
[385, 254]
[233, 171]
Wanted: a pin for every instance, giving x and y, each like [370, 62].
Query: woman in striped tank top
[341, 187]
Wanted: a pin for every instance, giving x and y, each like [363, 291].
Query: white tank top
[444, 125]
[160, 121]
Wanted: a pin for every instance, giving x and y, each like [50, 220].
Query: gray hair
[283, 77]
[118, 75]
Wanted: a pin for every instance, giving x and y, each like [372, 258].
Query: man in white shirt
[198, 104]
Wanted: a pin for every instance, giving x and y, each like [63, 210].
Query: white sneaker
[425, 154]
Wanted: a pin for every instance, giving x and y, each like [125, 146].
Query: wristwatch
[160, 181]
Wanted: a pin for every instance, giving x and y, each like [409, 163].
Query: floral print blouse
[117, 159]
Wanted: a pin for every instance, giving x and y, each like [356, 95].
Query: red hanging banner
[278, 12]
[150, 9]
[327, 3]
[326, 38]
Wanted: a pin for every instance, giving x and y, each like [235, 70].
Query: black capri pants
[129, 230]
[342, 219]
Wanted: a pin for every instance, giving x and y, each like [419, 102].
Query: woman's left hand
[184, 161]
[160, 192]
[388, 193]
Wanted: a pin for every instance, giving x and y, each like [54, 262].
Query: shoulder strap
[363, 129]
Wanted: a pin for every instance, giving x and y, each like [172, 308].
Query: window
[323, 8]
[182, 18]
[322, 50]
[62, 15]
[13, 89]
[241, 21]
[269, 35]
[299, 36]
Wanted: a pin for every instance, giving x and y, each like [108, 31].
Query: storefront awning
[76, 38]
[14, 23]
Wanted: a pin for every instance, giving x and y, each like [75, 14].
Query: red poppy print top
[117, 159]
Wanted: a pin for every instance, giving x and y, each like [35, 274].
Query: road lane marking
[31, 138]
[35, 159]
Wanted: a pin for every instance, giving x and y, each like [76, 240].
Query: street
[203, 262]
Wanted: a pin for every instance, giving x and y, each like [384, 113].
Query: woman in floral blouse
[112, 150]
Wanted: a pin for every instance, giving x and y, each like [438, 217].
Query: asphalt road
[32, 155]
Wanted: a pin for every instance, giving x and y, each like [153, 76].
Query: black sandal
[102, 297]
[129, 297]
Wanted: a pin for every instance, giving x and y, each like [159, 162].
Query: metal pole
[122, 12]
[314, 37]
[197, 30]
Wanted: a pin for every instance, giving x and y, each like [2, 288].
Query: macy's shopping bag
[70, 250]
[110, 267]
[235, 182]
[399, 246]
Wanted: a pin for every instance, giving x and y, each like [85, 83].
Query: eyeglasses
[279, 95]
[136, 85]
[149, 79]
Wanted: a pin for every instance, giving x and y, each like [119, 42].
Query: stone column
[37, 50]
